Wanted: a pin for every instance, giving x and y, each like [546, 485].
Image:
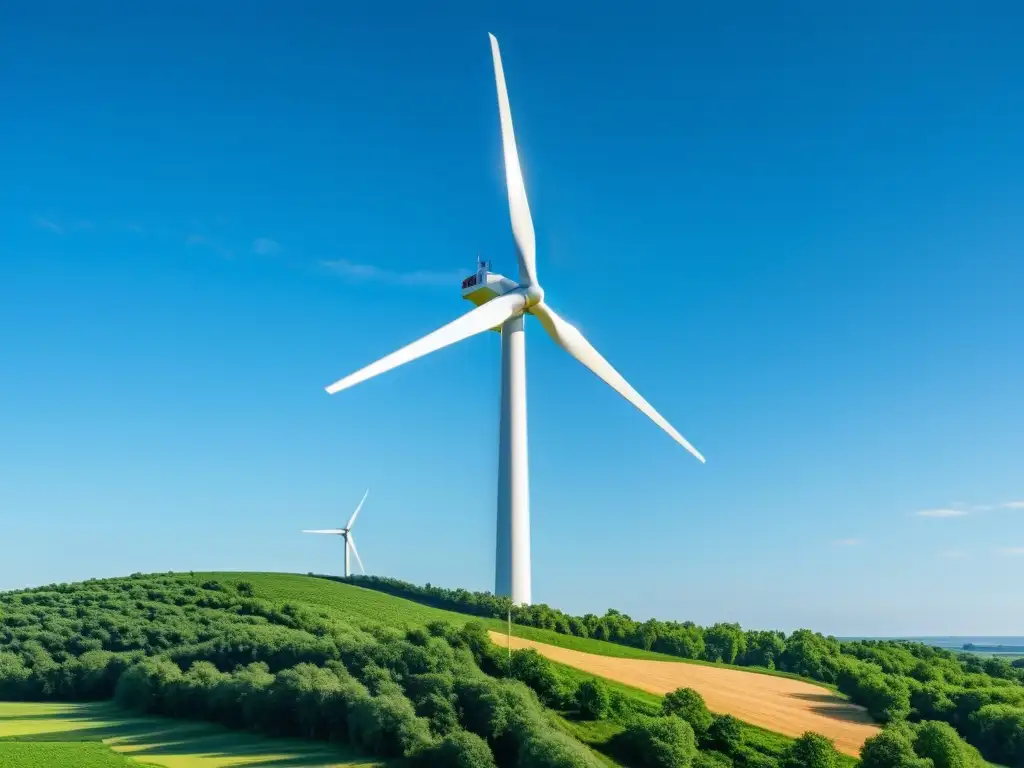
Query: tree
[725, 734]
[536, 671]
[943, 746]
[459, 749]
[1000, 729]
[724, 642]
[593, 699]
[891, 748]
[812, 750]
[689, 705]
[658, 742]
[764, 649]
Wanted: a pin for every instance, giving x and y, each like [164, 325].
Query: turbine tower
[346, 534]
[502, 304]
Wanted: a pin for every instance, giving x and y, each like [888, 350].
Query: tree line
[898, 682]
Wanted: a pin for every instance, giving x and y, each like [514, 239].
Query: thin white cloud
[1010, 550]
[209, 243]
[264, 246]
[850, 542]
[48, 224]
[366, 273]
[959, 509]
[60, 227]
[945, 512]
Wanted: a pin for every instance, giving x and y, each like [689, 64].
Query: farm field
[790, 707]
[98, 735]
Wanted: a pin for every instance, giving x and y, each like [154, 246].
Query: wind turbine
[503, 303]
[346, 533]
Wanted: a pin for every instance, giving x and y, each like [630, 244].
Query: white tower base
[347, 572]
[512, 551]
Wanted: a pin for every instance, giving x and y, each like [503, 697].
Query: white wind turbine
[346, 534]
[502, 302]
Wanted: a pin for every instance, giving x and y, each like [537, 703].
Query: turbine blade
[568, 337]
[518, 207]
[336, 531]
[483, 318]
[352, 519]
[352, 543]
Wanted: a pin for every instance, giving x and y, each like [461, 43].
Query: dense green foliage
[924, 745]
[593, 699]
[437, 693]
[178, 646]
[689, 705]
[812, 751]
[897, 681]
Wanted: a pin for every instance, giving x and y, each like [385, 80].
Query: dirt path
[776, 703]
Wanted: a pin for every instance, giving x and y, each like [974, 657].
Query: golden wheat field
[778, 704]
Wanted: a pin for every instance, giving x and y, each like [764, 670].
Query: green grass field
[347, 600]
[44, 755]
[98, 735]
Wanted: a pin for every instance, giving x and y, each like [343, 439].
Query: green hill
[290, 655]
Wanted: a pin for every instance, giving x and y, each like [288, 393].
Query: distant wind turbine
[346, 534]
[502, 304]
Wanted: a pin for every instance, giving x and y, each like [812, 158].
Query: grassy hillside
[97, 735]
[340, 600]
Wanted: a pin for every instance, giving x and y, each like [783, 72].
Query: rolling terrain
[287, 655]
[98, 735]
[776, 703]
[789, 707]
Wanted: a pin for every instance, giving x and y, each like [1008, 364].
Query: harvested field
[778, 704]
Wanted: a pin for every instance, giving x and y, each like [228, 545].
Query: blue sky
[797, 232]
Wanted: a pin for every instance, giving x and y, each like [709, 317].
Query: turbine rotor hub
[534, 294]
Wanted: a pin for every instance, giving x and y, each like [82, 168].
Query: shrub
[658, 742]
[943, 746]
[459, 749]
[142, 686]
[725, 734]
[689, 705]
[533, 669]
[387, 726]
[1000, 730]
[812, 750]
[547, 748]
[593, 699]
[440, 712]
[892, 748]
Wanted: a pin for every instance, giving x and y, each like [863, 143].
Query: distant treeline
[993, 648]
[896, 680]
